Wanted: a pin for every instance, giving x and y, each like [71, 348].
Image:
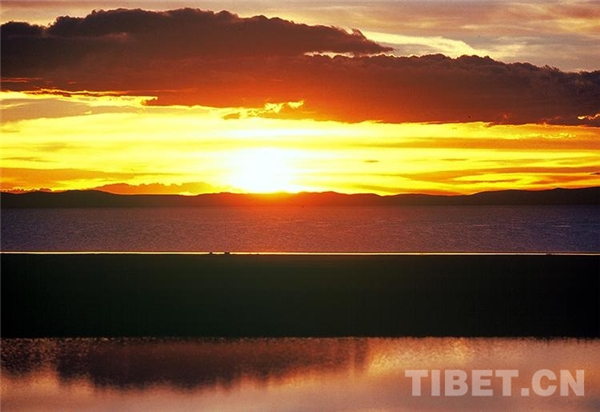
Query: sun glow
[263, 170]
[118, 144]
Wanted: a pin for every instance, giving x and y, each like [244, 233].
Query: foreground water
[347, 374]
[298, 229]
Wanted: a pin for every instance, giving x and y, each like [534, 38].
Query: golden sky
[189, 101]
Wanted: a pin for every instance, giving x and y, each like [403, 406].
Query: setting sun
[263, 170]
[299, 205]
[230, 110]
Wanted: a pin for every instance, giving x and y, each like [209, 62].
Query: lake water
[311, 229]
[289, 375]
[285, 375]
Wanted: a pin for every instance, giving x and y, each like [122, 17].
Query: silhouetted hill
[93, 198]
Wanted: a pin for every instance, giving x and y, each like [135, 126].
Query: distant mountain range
[94, 198]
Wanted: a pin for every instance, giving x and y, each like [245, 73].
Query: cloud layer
[193, 57]
[139, 37]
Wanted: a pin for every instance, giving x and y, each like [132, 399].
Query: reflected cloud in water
[349, 374]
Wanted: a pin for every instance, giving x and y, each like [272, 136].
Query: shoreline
[300, 295]
[242, 253]
[586, 196]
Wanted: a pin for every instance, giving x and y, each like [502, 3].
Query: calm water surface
[281, 375]
[350, 374]
[297, 229]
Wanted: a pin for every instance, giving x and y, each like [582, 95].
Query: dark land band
[53, 295]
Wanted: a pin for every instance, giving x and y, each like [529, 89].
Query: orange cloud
[191, 57]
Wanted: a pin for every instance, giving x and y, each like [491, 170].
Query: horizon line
[246, 253]
[286, 193]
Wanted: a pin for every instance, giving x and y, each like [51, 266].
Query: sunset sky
[350, 96]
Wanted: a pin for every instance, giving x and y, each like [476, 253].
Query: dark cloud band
[193, 57]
